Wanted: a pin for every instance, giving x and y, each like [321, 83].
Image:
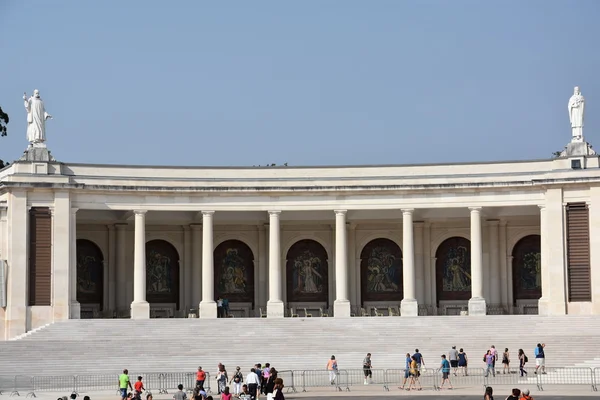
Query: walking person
[494, 353]
[221, 378]
[124, 383]
[414, 375]
[506, 362]
[200, 377]
[522, 361]
[219, 307]
[419, 358]
[463, 361]
[252, 382]
[540, 358]
[237, 380]
[453, 358]
[332, 367]
[406, 371]
[367, 369]
[489, 362]
[445, 368]
[139, 388]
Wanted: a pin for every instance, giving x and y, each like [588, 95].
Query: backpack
[485, 357]
[526, 359]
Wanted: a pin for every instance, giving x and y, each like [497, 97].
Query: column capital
[340, 212]
[475, 209]
[542, 206]
[196, 227]
[272, 213]
[186, 228]
[73, 210]
[140, 212]
[407, 210]
[120, 226]
[52, 210]
[110, 227]
[493, 222]
[207, 213]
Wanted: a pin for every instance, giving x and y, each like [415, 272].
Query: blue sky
[306, 82]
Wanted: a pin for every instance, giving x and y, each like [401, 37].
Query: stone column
[505, 283]
[140, 308]
[208, 306]
[594, 211]
[352, 266]
[275, 306]
[187, 271]
[428, 276]
[61, 256]
[17, 257]
[121, 273]
[341, 305]
[494, 266]
[111, 281]
[260, 288]
[477, 304]
[196, 283]
[554, 277]
[75, 307]
[511, 299]
[419, 262]
[409, 306]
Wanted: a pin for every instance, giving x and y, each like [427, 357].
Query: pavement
[372, 392]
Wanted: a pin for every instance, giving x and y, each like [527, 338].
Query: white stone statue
[36, 119]
[576, 107]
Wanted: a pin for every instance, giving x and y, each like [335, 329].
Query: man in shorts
[445, 368]
[367, 369]
[124, 383]
[453, 358]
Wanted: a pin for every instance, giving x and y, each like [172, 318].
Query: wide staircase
[168, 345]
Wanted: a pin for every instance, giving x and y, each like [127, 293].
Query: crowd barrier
[343, 379]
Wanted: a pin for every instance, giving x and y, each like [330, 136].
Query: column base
[275, 309]
[75, 310]
[546, 308]
[477, 306]
[341, 309]
[140, 310]
[207, 310]
[409, 308]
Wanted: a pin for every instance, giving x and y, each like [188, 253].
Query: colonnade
[140, 308]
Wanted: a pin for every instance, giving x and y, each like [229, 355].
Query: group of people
[491, 357]
[260, 380]
[515, 394]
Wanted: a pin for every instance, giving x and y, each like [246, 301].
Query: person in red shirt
[139, 388]
[200, 377]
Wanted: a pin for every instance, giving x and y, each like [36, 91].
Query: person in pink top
[332, 367]
[494, 354]
[225, 395]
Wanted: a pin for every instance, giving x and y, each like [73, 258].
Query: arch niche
[162, 272]
[453, 269]
[90, 273]
[526, 269]
[381, 271]
[234, 271]
[307, 270]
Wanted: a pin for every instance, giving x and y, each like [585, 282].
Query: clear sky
[306, 82]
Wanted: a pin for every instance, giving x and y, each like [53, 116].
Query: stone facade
[140, 242]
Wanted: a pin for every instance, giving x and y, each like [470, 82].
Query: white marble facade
[121, 208]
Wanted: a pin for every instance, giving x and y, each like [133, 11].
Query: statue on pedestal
[576, 107]
[36, 119]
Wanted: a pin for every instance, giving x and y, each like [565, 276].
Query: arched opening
[453, 269]
[526, 269]
[234, 271]
[162, 273]
[307, 272]
[381, 271]
[90, 273]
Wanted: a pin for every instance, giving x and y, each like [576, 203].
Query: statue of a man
[576, 107]
[36, 119]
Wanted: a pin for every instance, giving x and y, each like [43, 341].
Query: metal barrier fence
[306, 379]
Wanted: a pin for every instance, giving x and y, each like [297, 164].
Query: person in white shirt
[252, 381]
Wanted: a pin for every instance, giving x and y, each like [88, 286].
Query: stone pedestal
[37, 154]
[575, 149]
[275, 309]
[341, 308]
[477, 306]
[140, 310]
[207, 309]
[409, 308]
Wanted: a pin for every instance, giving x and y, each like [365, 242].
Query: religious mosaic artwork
[527, 274]
[381, 271]
[162, 272]
[307, 272]
[384, 271]
[234, 271]
[158, 276]
[90, 271]
[453, 269]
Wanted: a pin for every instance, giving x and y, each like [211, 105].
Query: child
[139, 388]
[226, 395]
